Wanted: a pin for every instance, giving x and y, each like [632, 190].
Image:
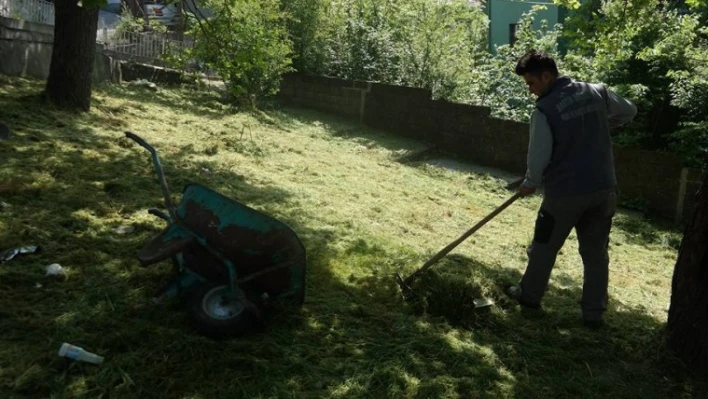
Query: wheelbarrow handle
[160, 173]
[140, 141]
[463, 237]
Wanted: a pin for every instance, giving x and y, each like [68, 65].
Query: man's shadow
[546, 350]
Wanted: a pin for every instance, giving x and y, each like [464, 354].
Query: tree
[305, 20]
[71, 68]
[688, 314]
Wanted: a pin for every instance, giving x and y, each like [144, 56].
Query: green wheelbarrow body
[231, 261]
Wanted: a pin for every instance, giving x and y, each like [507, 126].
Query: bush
[497, 85]
[246, 43]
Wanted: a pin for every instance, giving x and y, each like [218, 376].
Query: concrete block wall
[26, 48]
[337, 96]
[659, 179]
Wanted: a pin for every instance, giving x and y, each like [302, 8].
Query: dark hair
[536, 62]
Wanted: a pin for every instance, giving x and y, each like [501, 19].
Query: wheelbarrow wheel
[217, 313]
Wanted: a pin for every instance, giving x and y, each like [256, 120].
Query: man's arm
[619, 110]
[539, 153]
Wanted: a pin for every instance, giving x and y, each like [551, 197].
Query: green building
[505, 14]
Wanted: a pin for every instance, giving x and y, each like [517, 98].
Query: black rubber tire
[218, 328]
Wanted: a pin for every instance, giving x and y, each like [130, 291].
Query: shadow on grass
[549, 353]
[185, 99]
[645, 231]
[292, 117]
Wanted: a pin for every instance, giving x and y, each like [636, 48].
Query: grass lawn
[68, 180]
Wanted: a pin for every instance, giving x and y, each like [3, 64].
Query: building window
[512, 34]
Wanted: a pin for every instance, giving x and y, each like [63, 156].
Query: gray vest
[582, 160]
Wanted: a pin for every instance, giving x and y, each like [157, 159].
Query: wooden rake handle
[463, 237]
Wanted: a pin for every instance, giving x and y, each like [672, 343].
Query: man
[570, 154]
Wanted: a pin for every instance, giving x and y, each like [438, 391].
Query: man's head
[538, 70]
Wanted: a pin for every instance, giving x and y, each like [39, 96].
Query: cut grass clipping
[68, 181]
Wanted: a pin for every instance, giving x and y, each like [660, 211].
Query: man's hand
[526, 191]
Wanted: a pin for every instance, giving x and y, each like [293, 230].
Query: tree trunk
[136, 9]
[688, 314]
[71, 69]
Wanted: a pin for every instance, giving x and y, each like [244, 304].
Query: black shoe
[594, 324]
[514, 292]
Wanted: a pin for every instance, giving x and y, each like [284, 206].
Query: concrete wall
[26, 50]
[471, 133]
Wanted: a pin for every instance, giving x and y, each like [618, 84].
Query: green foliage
[360, 43]
[246, 43]
[442, 48]
[305, 20]
[684, 51]
[130, 23]
[434, 45]
[570, 4]
[497, 85]
[691, 141]
[689, 90]
[653, 53]
[697, 3]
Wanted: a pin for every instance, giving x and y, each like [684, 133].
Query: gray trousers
[591, 216]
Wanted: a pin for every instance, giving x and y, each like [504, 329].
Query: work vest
[582, 160]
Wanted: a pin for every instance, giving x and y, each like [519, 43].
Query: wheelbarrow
[231, 263]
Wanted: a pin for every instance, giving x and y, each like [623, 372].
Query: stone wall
[659, 180]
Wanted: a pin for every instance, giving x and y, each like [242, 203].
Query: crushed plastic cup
[122, 230]
[55, 270]
[11, 253]
[78, 353]
[482, 303]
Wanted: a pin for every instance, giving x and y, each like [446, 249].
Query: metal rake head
[406, 290]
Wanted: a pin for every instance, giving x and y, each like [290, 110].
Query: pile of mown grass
[70, 179]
